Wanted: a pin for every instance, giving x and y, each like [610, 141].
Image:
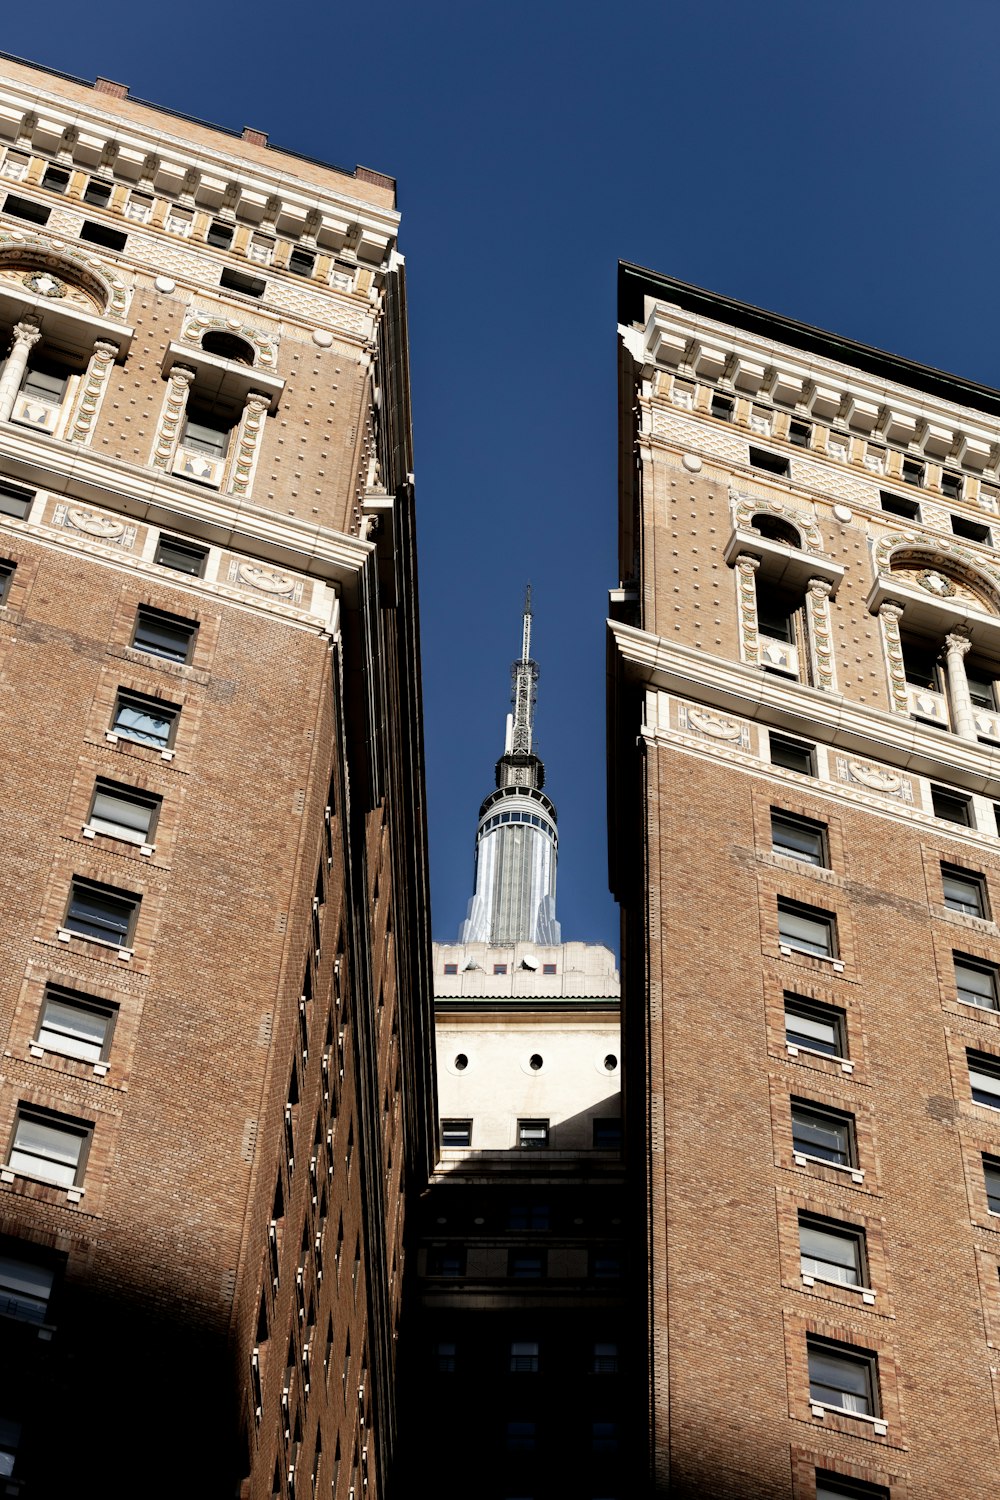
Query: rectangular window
[98, 194]
[836, 1487]
[74, 1025]
[548, 968]
[799, 434]
[913, 471]
[951, 485]
[15, 501]
[146, 721]
[49, 1146]
[814, 1027]
[24, 208]
[984, 1078]
[605, 1264]
[524, 1357]
[843, 1377]
[608, 1133]
[101, 912]
[776, 612]
[445, 1356]
[7, 571]
[792, 755]
[971, 531]
[123, 812]
[522, 1437]
[921, 663]
[302, 262]
[806, 929]
[831, 1251]
[499, 968]
[953, 807]
[976, 982]
[991, 1174]
[529, 1216]
[220, 234]
[239, 281]
[822, 1133]
[899, 505]
[56, 179]
[533, 1135]
[184, 557]
[527, 1265]
[964, 891]
[798, 838]
[456, 1132]
[604, 1359]
[446, 1260]
[103, 234]
[46, 383]
[25, 1289]
[982, 686]
[206, 434]
[722, 407]
[451, 968]
[771, 463]
[163, 635]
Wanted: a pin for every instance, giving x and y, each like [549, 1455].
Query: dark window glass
[533, 1135]
[524, 1357]
[220, 234]
[25, 1287]
[991, 1172]
[56, 179]
[239, 281]
[799, 434]
[185, 557]
[301, 262]
[842, 1377]
[792, 755]
[823, 1133]
[953, 807]
[798, 838]
[964, 891]
[972, 531]
[7, 571]
[899, 505]
[951, 485]
[722, 406]
[836, 1487]
[913, 472]
[982, 686]
[24, 208]
[815, 1027]
[456, 1132]
[446, 1260]
[921, 664]
[604, 1359]
[163, 635]
[15, 501]
[984, 1078]
[608, 1134]
[103, 234]
[101, 912]
[776, 611]
[772, 463]
[98, 194]
[526, 1265]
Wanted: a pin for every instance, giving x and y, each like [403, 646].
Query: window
[75, 1025]
[772, 463]
[10, 1439]
[951, 485]
[806, 929]
[976, 982]
[123, 812]
[146, 721]
[98, 194]
[23, 208]
[48, 1146]
[608, 1133]
[15, 501]
[56, 179]
[529, 1216]
[25, 1289]
[524, 1357]
[837, 1487]
[964, 891]
[953, 807]
[799, 433]
[101, 913]
[982, 686]
[843, 1377]
[921, 664]
[456, 1132]
[899, 505]
[205, 432]
[103, 234]
[527, 1265]
[832, 1252]
[185, 557]
[823, 1134]
[604, 1359]
[722, 406]
[239, 281]
[972, 531]
[778, 618]
[499, 968]
[446, 1260]
[533, 1135]
[163, 635]
[792, 755]
[7, 571]
[605, 1265]
[302, 262]
[45, 382]
[991, 1174]
[548, 968]
[798, 838]
[604, 1437]
[445, 1353]
[451, 968]
[913, 472]
[984, 1078]
[522, 1437]
[813, 1027]
[220, 234]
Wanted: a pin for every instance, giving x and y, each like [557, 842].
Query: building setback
[216, 1090]
[805, 778]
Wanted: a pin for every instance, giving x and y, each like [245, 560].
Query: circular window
[461, 1062]
[610, 1062]
[535, 1062]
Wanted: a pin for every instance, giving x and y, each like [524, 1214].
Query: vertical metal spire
[524, 678]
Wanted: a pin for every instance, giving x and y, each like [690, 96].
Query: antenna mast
[524, 681]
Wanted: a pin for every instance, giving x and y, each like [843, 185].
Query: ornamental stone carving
[717, 726]
[179, 384]
[874, 778]
[939, 566]
[62, 271]
[745, 507]
[820, 633]
[746, 603]
[91, 394]
[93, 524]
[264, 342]
[268, 580]
[248, 442]
[889, 616]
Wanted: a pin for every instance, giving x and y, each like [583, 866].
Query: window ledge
[803, 1159]
[786, 952]
[37, 1050]
[793, 1049]
[820, 1409]
[867, 1295]
[74, 1194]
[64, 935]
[92, 833]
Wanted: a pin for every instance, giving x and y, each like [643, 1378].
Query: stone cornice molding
[647, 659]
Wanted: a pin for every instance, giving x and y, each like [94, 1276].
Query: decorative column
[179, 383]
[889, 616]
[963, 720]
[26, 336]
[248, 436]
[746, 604]
[81, 427]
[818, 625]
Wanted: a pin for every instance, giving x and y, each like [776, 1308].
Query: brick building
[805, 779]
[216, 1088]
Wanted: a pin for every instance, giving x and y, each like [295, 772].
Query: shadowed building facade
[217, 1085]
[804, 785]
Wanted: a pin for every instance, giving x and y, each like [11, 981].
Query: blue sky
[834, 162]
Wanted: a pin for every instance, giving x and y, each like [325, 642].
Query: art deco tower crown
[516, 841]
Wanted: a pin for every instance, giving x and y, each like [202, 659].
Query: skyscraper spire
[516, 842]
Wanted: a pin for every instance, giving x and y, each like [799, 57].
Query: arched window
[777, 530]
[228, 346]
